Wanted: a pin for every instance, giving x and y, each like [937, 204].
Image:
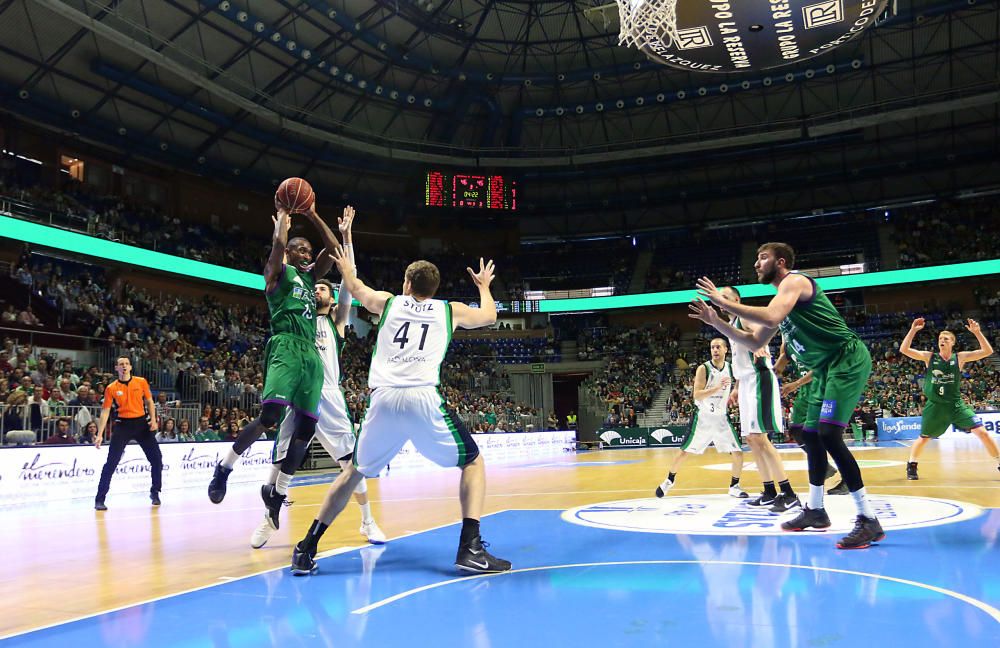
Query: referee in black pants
[135, 418]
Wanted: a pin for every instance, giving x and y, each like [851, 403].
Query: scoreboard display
[515, 307]
[470, 191]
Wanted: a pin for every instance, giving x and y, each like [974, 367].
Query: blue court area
[576, 585]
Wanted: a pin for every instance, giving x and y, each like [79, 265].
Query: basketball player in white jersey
[334, 428]
[413, 336]
[760, 416]
[713, 382]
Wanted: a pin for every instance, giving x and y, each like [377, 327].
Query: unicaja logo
[662, 434]
[610, 436]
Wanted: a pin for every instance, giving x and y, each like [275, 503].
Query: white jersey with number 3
[413, 337]
[716, 406]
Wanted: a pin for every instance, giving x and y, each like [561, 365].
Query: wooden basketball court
[64, 561]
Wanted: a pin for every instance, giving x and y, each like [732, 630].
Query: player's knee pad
[270, 414]
[362, 487]
[305, 428]
[795, 431]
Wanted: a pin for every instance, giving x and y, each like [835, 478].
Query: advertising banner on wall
[497, 449]
[38, 474]
[667, 436]
[908, 427]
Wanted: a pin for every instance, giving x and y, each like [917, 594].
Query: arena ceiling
[354, 92]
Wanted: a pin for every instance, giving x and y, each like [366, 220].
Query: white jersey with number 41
[413, 337]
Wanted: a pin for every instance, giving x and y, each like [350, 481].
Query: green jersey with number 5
[413, 337]
[943, 380]
[293, 305]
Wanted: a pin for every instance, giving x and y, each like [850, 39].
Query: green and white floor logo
[725, 515]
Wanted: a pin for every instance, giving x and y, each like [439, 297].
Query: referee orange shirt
[128, 397]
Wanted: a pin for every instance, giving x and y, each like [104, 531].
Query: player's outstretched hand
[708, 290]
[918, 324]
[973, 326]
[344, 222]
[97, 441]
[703, 311]
[485, 276]
[343, 262]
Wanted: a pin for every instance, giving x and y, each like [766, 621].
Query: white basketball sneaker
[736, 491]
[371, 531]
[262, 533]
[664, 488]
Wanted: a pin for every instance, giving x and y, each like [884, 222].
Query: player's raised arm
[344, 296]
[752, 338]
[907, 350]
[791, 289]
[464, 316]
[323, 262]
[373, 300]
[279, 241]
[985, 348]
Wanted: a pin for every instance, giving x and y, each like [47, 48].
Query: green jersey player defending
[942, 387]
[817, 339]
[293, 372]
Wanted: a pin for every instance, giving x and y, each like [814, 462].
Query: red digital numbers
[442, 189]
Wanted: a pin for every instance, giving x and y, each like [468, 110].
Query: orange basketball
[295, 195]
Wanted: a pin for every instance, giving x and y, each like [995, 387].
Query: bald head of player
[732, 295]
[718, 348]
[298, 253]
[421, 280]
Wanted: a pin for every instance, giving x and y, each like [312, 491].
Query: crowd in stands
[638, 371]
[947, 232]
[640, 362]
[202, 353]
[573, 265]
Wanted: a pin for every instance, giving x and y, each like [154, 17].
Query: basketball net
[643, 21]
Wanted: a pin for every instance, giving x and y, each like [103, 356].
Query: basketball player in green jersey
[293, 372]
[942, 387]
[800, 387]
[818, 339]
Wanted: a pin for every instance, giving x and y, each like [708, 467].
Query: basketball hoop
[647, 23]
